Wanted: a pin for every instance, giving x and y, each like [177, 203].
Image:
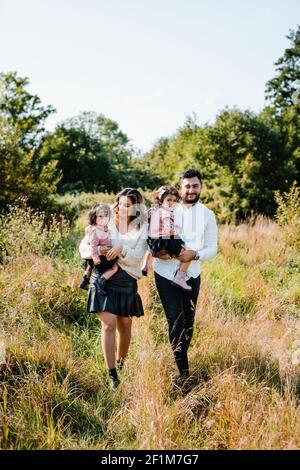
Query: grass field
[245, 354]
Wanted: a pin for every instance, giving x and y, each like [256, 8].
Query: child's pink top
[97, 237]
[161, 223]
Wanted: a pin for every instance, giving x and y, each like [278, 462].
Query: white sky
[146, 64]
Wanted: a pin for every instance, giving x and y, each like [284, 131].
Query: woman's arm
[133, 255]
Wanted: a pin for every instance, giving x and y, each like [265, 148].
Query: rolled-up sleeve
[210, 245]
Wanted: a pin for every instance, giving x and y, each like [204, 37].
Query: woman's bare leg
[124, 329]
[108, 338]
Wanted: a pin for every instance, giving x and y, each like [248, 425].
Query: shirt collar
[186, 208]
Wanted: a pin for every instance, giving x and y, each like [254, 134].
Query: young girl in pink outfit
[96, 234]
[164, 233]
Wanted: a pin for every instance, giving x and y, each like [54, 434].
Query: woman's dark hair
[165, 191]
[95, 211]
[138, 201]
[191, 173]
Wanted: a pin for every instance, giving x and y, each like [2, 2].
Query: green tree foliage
[244, 157]
[283, 90]
[93, 154]
[81, 159]
[283, 95]
[21, 110]
[21, 124]
[169, 157]
[253, 162]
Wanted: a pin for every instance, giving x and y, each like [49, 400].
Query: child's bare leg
[146, 261]
[180, 277]
[88, 271]
[110, 272]
[184, 267]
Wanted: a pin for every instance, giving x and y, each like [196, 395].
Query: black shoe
[183, 382]
[84, 283]
[113, 377]
[100, 284]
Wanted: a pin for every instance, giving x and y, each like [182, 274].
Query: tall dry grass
[244, 356]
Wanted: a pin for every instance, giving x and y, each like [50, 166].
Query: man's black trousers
[179, 307]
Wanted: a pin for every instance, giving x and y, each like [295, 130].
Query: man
[199, 232]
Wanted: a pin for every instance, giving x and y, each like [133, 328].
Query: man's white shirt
[199, 232]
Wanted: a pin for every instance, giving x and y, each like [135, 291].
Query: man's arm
[210, 246]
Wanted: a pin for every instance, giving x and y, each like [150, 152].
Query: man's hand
[186, 256]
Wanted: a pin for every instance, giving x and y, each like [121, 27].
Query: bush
[24, 230]
[288, 215]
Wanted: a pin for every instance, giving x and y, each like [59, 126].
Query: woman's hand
[103, 250]
[114, 252]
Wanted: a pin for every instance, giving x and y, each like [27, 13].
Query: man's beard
[191, 200]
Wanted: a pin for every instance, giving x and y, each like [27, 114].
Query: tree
[283, 94]
[81, 159]
[114, 141]
[282, 91]
[93, 154]
[256, 163]
[21, 125]
[22, 110]
[18, 172]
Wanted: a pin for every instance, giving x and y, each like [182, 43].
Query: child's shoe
[180, 279]
[84, 283]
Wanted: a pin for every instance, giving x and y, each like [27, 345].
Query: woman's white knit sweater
[134, 244]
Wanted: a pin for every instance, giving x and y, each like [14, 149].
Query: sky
[146, 64]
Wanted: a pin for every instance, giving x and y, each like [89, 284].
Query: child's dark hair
[95, 211]
[165, 191]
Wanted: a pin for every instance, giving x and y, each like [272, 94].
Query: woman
[128, 231]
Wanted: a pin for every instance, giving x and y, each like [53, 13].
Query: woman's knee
[124, 325]
[109, 327]
[108, 322]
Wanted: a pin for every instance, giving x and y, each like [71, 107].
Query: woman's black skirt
[171, 246]
[122, 298]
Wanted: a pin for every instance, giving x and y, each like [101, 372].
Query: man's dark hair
[191, 173]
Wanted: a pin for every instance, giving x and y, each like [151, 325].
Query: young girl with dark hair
[164, 233]
[96, 235]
